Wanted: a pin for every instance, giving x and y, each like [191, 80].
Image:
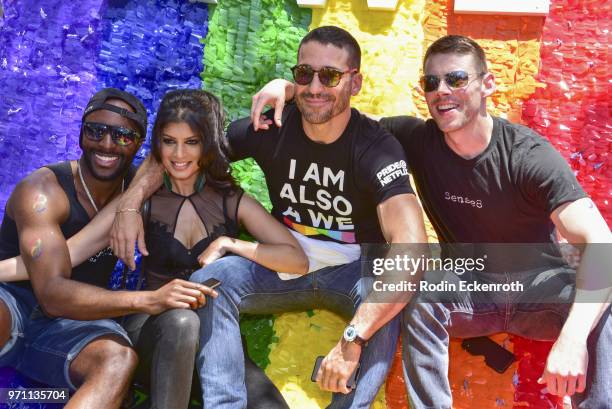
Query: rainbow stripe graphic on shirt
[343, 236]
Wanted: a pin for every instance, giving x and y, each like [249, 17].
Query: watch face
[350, 333]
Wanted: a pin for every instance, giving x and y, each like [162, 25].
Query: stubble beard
[317, 117]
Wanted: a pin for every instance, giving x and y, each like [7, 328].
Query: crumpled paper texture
[573, 109]
[552, 75]
[391, 51]
[46, 78]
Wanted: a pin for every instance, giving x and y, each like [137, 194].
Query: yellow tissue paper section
[301, 339]
[391, 46]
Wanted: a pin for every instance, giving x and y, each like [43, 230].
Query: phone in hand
[496, 356]
[212, 283]
[351, 383]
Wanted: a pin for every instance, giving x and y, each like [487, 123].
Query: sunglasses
[120, 136]
[329, 77]
[454, 79]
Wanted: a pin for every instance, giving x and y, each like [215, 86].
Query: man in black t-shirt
[481, 180]
[336, 179]
[485, 180]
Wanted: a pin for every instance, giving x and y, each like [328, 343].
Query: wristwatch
[350, 335]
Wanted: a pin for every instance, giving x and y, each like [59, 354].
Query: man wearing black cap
[86, 351]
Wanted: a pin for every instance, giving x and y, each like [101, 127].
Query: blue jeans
[250, 288]
[43, 348]
[538, 312]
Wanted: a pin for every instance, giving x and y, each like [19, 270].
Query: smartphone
[496, 356]
[351, 383]
[212, 283]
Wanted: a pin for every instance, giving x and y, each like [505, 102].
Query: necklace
[87, 189]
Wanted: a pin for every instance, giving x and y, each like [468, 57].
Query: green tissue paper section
[248, 44]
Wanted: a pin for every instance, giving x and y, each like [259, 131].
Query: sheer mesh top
[169, 258]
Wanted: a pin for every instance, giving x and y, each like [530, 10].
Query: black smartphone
[351, 383]
[212, 283]
[496, 356]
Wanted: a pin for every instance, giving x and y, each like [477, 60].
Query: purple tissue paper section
[47, 74]
[55, 55]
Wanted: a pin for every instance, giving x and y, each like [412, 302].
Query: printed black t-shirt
[326, 191]
[504, 195]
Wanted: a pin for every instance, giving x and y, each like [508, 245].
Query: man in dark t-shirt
[336, 179]
[484, 180]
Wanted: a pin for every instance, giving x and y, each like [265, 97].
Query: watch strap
[360, 341]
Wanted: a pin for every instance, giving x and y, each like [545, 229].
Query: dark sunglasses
[120, 136]
[454, 79]
[329, 77]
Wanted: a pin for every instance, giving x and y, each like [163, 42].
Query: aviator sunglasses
[303, 74]
[120, 136]
[454, 79]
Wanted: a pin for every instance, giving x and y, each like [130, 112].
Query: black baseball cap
[98, 102]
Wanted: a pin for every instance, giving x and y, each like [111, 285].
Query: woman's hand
[214, 251]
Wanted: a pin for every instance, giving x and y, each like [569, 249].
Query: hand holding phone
[211, 283]
[351, 383]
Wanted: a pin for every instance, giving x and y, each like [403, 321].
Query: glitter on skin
[36, 249]
[40, 205]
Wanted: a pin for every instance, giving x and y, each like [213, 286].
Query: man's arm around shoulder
[402, 127]
[128, 228]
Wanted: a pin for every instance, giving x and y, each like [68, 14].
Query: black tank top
[168, 257]
[98, 268]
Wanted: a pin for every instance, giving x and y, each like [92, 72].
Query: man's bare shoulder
[38, 195]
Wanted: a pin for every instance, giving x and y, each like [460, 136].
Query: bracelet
[128, 210]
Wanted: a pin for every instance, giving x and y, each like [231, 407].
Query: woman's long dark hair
[203, 112]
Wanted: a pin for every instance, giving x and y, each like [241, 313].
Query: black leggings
[167, 344]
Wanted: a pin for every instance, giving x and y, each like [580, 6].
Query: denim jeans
[250, 288]
[538, 312]
[43, 347]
